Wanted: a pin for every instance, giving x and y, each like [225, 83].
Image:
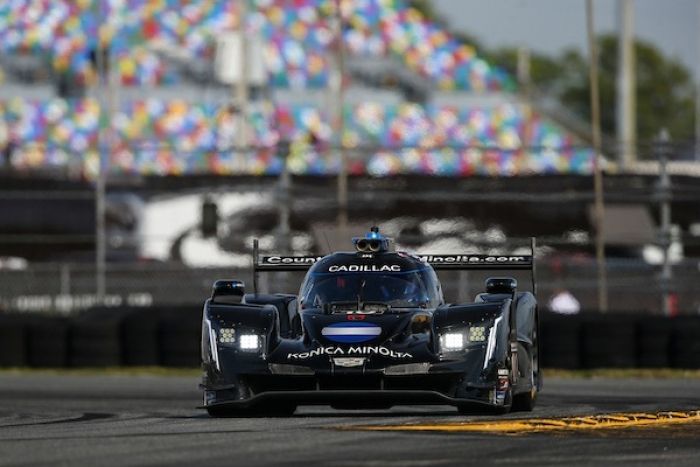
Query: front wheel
[501, 399]
[529, 368]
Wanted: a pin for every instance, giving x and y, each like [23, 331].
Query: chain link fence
[67, 288]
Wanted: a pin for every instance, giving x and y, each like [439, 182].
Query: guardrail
[170, 336]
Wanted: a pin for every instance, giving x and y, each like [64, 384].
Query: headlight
[249, 342]
[477, 334]
[227, 336]
[456, 340]
[452, 341]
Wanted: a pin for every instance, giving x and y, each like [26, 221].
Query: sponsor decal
[351, 333]
[473, 259]
[365, 268]
[349, 362]
[502, 386]
[286, 260]
[349, 351]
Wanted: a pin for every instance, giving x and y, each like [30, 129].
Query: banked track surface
[149, 420]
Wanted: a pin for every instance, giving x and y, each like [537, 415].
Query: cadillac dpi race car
[370, 329]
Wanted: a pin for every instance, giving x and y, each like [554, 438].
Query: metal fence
[66, 288]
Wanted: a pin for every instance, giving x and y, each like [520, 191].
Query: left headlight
[227, 336]
[246, 342]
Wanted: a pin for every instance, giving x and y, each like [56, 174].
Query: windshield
[410, 289]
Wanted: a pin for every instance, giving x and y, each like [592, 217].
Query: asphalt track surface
[147, 420]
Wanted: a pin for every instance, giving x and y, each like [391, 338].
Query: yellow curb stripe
[535, 425]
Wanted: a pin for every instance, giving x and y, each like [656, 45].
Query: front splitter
[326, 397]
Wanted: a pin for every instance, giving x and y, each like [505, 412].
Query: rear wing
[474, 262]
[455, 262]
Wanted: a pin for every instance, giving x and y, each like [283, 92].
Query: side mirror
[501, 285]
[228, 288]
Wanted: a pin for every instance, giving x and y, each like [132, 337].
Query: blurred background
[145, 143]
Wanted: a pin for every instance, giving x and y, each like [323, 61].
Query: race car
[370, 329]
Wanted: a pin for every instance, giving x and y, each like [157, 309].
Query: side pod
[225, 325]
[458, 318]
[448, 316]
[525, 309]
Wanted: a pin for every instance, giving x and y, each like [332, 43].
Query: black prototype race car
[370, 329]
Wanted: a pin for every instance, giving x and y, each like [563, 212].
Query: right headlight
[456, 340]
[250, 342]
[477, 334]
[452, 341]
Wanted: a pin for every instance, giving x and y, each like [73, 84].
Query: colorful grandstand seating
[153, 137]
[298, 35]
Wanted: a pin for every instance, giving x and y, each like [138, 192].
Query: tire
[609, 341]
[685, 345]
[95, 340]
[13, 341]
[47, 342]
[180, 337]
[140, 345]
[560, 341]
[529, 368]
[654, 342]
[492, 409]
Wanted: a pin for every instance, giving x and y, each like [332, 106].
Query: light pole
[104, 91]
[626, 86]
[697, 90]
[599, 210]
[342, 219]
